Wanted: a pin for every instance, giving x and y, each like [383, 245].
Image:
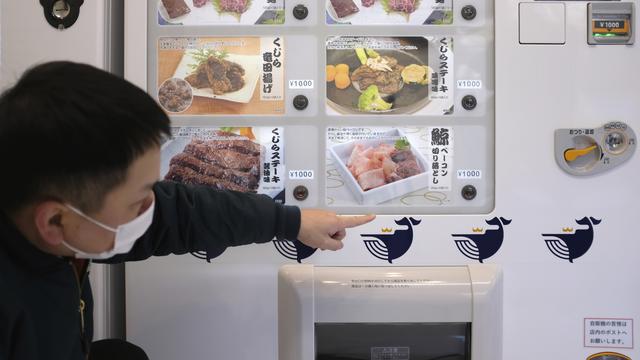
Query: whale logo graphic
[294, 250]
[570, 246]
[387, 246]
[206, 255]
[481, 245]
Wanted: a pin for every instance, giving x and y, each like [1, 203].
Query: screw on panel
[469, 102]
[469, 12]
[300, 12]
[469, 192]
[300, 193]
[300, 102]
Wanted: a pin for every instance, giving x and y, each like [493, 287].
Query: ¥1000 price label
[469, 174]
[300, 174]
[469, 84]
[300, 84]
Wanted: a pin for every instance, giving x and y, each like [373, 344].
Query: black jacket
[40, 296]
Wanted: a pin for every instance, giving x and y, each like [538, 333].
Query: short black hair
[70, 132]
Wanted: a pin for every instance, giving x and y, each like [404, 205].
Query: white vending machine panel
[527, 161]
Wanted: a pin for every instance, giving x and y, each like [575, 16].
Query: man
[80, 152]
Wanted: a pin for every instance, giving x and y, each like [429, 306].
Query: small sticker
[404, 283]
[469, 174]
[608, 333]
[300, 84]
[390, 353]
[300, 174]
[469, 84]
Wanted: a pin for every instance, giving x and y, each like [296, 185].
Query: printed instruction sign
[608, 333]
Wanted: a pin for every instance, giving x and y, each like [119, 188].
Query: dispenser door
[393, 341]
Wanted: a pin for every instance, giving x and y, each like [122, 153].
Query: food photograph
[382, 166]
[374, 81]
[221, 12]
[175, 95]
[226, 75]
[220, 74]
[387, 75]
[389, 12]
[226, 158]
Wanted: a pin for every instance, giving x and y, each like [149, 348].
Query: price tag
[469, 84]
[300, 84]
[300, 174]
[469, 174]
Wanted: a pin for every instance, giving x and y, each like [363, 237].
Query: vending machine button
[300, 102]
[469, 102]
[300, 12]
[469, 192]
[300, 193]
[469, 12]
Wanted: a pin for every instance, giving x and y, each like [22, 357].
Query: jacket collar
[21, 250]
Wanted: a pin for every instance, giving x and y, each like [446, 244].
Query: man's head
[71, 134]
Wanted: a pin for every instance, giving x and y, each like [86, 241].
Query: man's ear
[48, 217]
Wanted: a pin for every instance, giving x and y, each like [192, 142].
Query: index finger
[332, 244]
[353, 221]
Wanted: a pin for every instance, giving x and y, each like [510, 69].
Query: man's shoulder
[16, 328]
[10, 279]
[12, 306]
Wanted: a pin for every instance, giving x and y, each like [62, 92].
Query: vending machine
[495, 141]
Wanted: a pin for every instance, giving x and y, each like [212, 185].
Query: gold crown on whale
[477, 230]
[567, 229]
[387, 230]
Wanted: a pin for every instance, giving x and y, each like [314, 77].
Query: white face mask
[126, 234]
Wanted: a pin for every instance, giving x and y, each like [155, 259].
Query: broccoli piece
[402, 144]
[370, 100]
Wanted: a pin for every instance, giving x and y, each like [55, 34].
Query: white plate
[250, 64]
[180, 19]
[342, 152]
[332, 13]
